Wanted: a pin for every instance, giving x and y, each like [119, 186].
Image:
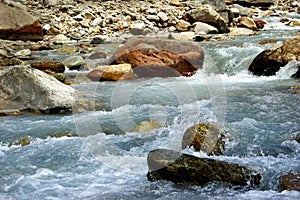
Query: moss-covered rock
[204, 137]
[187, 169]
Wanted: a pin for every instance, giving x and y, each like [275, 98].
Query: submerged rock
[290, 181]
[28, 88]
[268, 62]
[204, 137]
[187, 169]
[148, 125]
[17, 24]
[154, 57]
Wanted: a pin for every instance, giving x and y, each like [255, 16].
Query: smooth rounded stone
[204, 137]
[247, 22]
[241, 32]
[183, 25]
[200, 27]
[27, 88]
[17, 24]
[73, 62]
[181, 168]
[207, 14]
[112, 73]
[183, 36]
[49, 66]
[156, 57]
[146, 126]
[237, 10]
[268, 62]
[290, 181]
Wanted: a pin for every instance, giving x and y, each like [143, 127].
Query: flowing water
[98, 161]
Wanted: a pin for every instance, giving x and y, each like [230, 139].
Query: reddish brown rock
[152, 57]
[290, 181]
[16, 23]
[268, 62]
[49, 66]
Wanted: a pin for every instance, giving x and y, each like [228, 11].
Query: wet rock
[155, 57]
[241, 32]
[73, 62]
[200, 27]
[207, 14]
[49, 66]
[187, 169]
[17, 24]
[146, 126]
[204, 137]
[28, 88]
[112, 73]
[290, 181]
[23, 53]
[260, 24]
[268, 62]
[297, 74]
[98, 39]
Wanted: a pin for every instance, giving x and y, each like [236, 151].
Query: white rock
[241, 32]
[201, 27]
[137, 28]
[23, 52]
[183, 36]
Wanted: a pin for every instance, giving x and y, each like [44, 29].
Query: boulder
[268, 62]
[18, 24]
[290, 181]
[181, 168]
[112, 73]
[204, 137]
[27, 88]
[207, 14]
[49, 66]
[155, 57]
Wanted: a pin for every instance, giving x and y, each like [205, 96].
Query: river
[99, 161]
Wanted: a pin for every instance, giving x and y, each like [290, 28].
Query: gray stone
[163, 16]
[137, 28]
[28, 88]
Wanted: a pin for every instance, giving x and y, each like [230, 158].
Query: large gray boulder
[187, 169]
[27, 88]
[17, 23]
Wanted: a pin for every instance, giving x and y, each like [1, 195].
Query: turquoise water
[104, 159]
